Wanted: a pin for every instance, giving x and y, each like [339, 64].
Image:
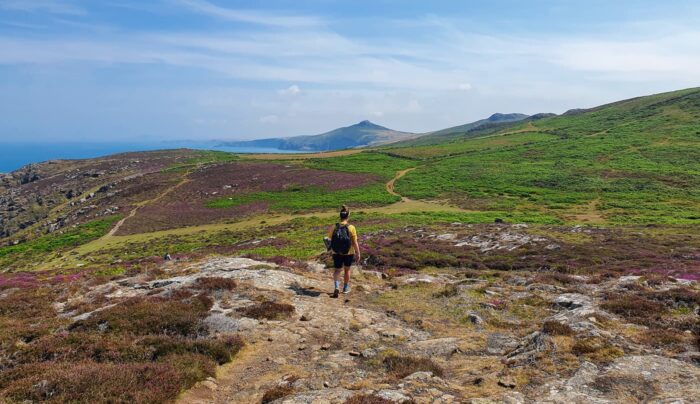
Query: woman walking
[345, 249]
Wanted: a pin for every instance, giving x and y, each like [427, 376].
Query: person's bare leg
[346, 277]
[336, 277]
[346, 280]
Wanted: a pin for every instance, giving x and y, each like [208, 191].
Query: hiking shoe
[346, 289]
[335, 294]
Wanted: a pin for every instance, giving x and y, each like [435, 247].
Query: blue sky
[108, 70]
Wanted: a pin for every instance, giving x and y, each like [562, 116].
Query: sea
[14, 155]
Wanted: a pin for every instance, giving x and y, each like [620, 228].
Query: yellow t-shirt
[353, 237]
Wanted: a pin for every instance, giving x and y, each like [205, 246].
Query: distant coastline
[17, 155]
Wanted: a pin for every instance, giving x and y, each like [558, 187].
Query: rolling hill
[361, 134]
[498, 261]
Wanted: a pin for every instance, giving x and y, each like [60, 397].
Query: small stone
[270, 339]
[305, 317]
[209, 385]
[475, 318]
[302, 347]
[354, 353]
[326, 384]
[369, 353]
[419, 376]
[507, 381]
[325, 347]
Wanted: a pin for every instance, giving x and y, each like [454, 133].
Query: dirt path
[111, 239]
[390, 184]
[314, 353]
[131, 214]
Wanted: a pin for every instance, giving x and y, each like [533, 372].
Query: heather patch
[144, 349]
[235, 190]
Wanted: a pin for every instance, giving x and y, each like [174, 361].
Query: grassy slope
[298, 199]
[636, 161]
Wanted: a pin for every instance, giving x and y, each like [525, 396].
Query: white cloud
[288, 21]
[50, 6]
[291, 90]
[411, 83]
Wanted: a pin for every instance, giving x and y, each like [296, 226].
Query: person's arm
[356, 246]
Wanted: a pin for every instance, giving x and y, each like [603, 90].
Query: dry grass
[144, 316]
[215, 284]
[634, 308]
[402, 366]
[450, 290]
[276, 393]
[552, 327]
[596, 350]
[89, 382]
[268, 310]
[367, 399]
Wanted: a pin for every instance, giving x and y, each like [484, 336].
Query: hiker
[343, 244]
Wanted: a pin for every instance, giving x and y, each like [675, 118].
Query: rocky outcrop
[629, 379]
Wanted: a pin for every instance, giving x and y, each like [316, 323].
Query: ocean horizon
[15, 155]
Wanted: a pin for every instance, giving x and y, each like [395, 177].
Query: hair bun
[344, 208]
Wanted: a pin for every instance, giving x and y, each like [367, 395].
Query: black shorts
[340, 260]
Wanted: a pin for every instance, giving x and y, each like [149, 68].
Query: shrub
[83, 346]
[143, 316]
[552, 327]
[402, 366]
[220, 350]
[676, 298]
[268, 310]
[92, 382]
[661, 338]
[215, 283]
[276, 393]
[596, 350]
[450, 290]
[635, 308]
[555, 278]
[192, 367]
[367, 399]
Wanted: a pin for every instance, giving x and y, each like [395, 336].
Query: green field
[630, 162]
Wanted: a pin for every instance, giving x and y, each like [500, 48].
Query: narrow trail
[315, 350]
[390, 184]
[131, 214]
[112, 239]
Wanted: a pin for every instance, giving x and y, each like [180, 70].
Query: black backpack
[341, 241]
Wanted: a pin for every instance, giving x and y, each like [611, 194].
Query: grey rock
[475, 319]
[433, 347]
[572, 301]
[500, 344]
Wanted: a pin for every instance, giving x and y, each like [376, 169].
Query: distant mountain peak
[499, 117]
[364, 133]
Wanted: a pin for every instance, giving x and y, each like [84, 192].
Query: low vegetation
[142, 349]
[401, 366]
[268, 310]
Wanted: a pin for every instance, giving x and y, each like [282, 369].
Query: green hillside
[631, 161]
